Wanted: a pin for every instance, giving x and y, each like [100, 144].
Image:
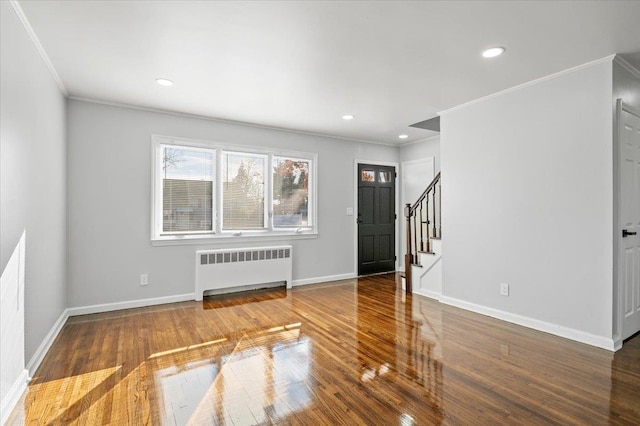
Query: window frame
[158, 187]
[265, 170]
[311, 200]
[219, 235]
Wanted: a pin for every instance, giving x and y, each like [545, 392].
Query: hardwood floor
[349, 352]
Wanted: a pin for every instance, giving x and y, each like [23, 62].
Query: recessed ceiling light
[403, 136]
[164, 82]
[493, 52]
[348, 117]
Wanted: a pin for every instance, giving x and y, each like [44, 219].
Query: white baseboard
[13, 396]
[107, 307]
[140, 303]
[328, 278]
[428, 293]
[547, 327]
[617, 343]
[42, 350]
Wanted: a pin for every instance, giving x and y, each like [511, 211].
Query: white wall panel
[32, 176]
[109, 200]
[528, 201]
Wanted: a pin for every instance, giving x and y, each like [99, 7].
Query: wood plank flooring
[349, 352]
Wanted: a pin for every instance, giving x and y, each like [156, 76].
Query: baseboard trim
[557, 330]
[140, 303]
[13, 396]
[325, 279]
[617, 344]
[428, 293]
[129, 304]
[42, 350]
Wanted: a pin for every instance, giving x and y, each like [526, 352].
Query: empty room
[319, 212]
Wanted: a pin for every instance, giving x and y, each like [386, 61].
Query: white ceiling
[302, 65]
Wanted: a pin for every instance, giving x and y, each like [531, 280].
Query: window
[243, 191]
[290, 192]
[202, 190]
[368, 176]
[187, 189]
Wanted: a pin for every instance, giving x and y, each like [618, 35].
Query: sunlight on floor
[68, 391]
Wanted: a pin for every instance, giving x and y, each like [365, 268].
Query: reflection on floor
[263, 378]
[349, 352]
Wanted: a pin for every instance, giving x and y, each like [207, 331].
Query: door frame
[618, 310]
[355, 208]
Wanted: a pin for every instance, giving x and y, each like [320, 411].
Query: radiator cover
[241, 267]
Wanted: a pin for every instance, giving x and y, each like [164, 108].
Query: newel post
[408, 257]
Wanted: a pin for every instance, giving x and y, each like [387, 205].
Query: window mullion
[218, 206]
[269, 193]
[311, 180]
[158, 196]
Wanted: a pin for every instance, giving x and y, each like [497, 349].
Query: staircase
[423, 267]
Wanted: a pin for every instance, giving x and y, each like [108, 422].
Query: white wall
[422, 149]
[528, 202]
[32, 176]
[109, 192]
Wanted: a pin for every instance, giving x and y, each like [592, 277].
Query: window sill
[227, 239]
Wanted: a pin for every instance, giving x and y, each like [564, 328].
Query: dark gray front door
[376, 219]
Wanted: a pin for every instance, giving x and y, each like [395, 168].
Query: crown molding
[422, 140]
[226, 121]
[606, 59]
[36, 42]
[626, 65]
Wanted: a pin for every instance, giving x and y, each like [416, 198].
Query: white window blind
[187, 189]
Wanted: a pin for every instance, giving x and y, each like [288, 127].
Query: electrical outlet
[144, 279]
[504, 289]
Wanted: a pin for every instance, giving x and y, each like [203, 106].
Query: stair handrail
[421, 198]
[410, 257]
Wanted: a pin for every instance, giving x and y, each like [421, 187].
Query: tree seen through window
[290, 192]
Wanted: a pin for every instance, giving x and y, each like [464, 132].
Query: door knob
[626, 233]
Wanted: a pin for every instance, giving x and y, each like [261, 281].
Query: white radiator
[241, 267]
